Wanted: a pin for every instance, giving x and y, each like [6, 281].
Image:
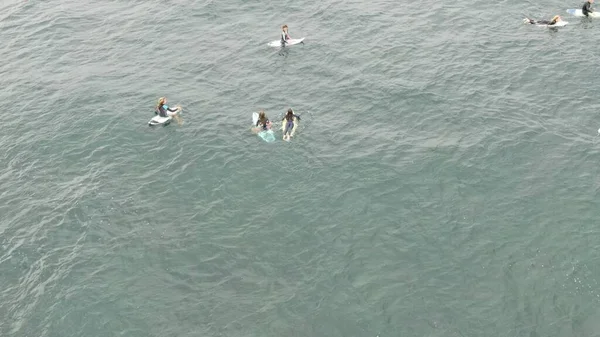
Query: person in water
[163, 110]
[587, 8]
[263, 122]
[285, 36]
[552, 22]
[289, 119]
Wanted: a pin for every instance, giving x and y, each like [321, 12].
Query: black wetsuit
[587, 8]
[542, 22]
[263, 125]
[284, 37]
[162, 112]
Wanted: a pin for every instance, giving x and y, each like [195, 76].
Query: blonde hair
[284, 27]
[161, 101]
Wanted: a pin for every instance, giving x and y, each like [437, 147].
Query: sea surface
[444, 180]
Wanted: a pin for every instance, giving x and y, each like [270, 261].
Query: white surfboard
[578, 12]
[158, 120]
[254, 118]
[290, 42]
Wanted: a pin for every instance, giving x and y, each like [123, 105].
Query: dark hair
[290, 115]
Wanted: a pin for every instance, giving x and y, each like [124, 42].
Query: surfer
[552, 22]
[163, 110]
[289, 119]
[263, 122]
[284, 35]
[587, 8]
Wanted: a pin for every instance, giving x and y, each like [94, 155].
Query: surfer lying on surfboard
[285, 35]
[552, 22]
[587, 7]
[289, 119]
[263, 122]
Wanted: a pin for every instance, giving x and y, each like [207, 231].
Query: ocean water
[443, 180]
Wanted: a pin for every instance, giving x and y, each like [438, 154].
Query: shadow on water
[284, 51]
[586, 23]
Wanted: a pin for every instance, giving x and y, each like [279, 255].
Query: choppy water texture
[444, 180]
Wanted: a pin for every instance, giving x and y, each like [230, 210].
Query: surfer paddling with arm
[552, 22]
[587, 8]
[290, 122]
[285, 36]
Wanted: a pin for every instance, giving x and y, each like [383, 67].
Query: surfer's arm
[297, 116]
[172, 110]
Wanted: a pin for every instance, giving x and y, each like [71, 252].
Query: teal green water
[443, 181]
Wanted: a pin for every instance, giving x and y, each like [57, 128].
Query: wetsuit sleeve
[172, 110]
[297, 116]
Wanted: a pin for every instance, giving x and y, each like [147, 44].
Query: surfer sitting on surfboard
[263, 122]
[554, 20]
[587, 7]
[163, 110]
[289, 124]
[284, 35]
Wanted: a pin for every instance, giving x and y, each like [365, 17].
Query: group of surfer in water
[585, 10]
[290, 119]
[262, 124]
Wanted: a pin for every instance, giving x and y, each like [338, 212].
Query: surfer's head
[262, 116]
[162, 101]
[284, 27]
[290, 115]
[556, 18]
